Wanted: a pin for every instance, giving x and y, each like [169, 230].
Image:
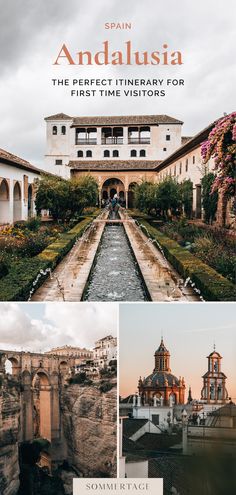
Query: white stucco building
[186, 163]
[153, 137]
[17, 188]
[105, 350]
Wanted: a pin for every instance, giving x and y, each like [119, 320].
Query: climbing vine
[221, 146]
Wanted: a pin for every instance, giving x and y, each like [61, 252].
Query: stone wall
[9, 433]
[89, 425]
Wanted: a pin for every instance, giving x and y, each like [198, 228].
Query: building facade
[118, 151]
[162, 386]
[17, 188]
[105, 350]
[214, 381]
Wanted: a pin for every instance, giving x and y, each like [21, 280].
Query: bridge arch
[12, 365]
[42, 410]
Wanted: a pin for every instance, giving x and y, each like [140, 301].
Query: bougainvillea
[221, 146]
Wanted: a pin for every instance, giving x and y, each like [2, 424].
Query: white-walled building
[105, 350]
[186, 163]
[17, 188]
[153, 137]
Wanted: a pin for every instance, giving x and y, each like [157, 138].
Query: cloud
[59, 324]
[31, 34]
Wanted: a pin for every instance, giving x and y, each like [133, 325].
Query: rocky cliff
[9, 433]
[89, 426]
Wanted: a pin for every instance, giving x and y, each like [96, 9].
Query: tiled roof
[173, 470]
[228, 410]
[59, 116]
[188, 146]
[125, 119]
[130, 426]
[116, 119]
[154, 441]
[129, 445]
[127, 400]
[114, 164]
[14, 160]
[185, 139]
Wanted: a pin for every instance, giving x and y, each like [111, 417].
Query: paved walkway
[70, 276]
[162, 281]
[69, 279]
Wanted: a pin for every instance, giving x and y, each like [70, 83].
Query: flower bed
[213, 286]
[211, 246]
[17, 283]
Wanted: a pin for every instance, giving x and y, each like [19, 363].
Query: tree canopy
[65, 199]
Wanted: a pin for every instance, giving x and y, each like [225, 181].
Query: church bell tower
[214, 381]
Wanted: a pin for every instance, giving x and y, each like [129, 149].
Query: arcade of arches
[120, 183]
[16, 200]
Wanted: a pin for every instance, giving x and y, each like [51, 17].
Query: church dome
[160, 379]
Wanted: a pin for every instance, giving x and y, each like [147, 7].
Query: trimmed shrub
[213, 286]
[16, 285]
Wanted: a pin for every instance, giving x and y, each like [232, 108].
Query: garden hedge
[17, 284]
[213, 286]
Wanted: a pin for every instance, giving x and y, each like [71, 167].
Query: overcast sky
[41, 326]
[189, 334]
[32, 32]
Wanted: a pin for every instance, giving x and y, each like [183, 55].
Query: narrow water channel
[115, 275]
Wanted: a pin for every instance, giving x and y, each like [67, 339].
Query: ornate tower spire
[162, 358]
[190, 399]
[214, 381]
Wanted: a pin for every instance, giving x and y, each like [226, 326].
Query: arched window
[133, 153]
[106, 153]
[54, 130]
[63, 130]
[115, 153]
[80, 154]
[89, 154]
[142, 153]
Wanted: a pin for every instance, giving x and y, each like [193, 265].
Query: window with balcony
[80, 154]
[106, 153]
[54, 130]
[139, 135]
[112, 135]
[85, 135]
[63, 130]
[115, 153]
[89, 154]
[142, 153]
[133, 153]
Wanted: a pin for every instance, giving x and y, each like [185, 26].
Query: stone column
[55, 413]
[125, 135]
[99, 135]
[134, 400]
[139, 401]
[155, 401]
[27, 430]
[126, 199]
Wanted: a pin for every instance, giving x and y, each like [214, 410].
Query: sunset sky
[189, 331]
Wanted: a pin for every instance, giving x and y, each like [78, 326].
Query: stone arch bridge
[40, 378]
